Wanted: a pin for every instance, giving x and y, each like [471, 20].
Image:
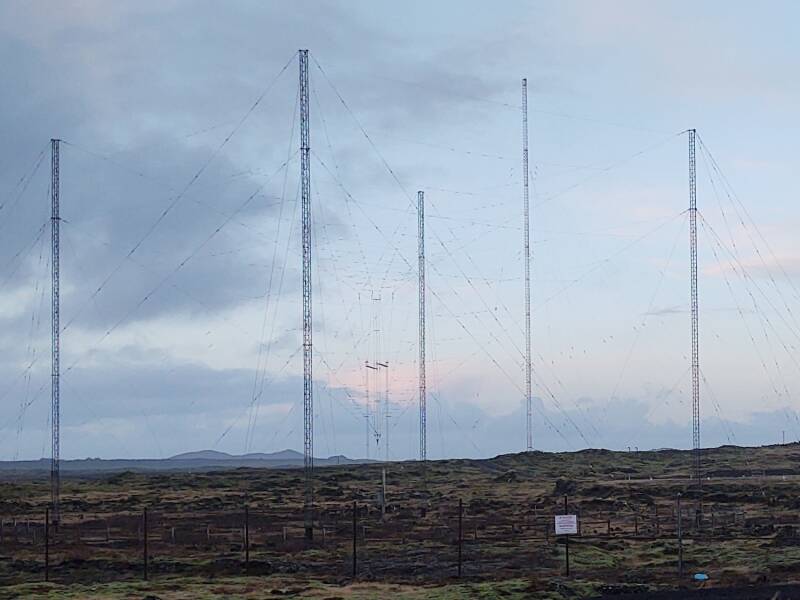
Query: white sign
[566, 524]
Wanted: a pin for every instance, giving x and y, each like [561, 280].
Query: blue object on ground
[700, 577]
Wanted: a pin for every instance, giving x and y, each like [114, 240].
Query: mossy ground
[626, 503]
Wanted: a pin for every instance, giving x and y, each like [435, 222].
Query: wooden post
[47, 544]
[246, 537]
[383, 494]
[658, 523]
[355, 536]
[144, 538]
[566, 541]
[460, 531]
[680, 538]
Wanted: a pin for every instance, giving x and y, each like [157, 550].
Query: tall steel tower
[55, 421]
[423, 417]
[308, 395]
[695, 329]
[527, 244]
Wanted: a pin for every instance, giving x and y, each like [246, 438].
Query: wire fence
[428, 542]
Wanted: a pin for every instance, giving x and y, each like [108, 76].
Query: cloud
[145, 95]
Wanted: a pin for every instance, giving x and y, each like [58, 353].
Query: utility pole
[695, 330]
[527, 248]
[55, 400]
[308, 395]
[423, 417]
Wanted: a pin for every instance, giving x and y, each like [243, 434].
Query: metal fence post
[355, 536]
[680, 538]
[460, 532]
[47, 544]
[566, 540]
[246, 537]
[144, 540]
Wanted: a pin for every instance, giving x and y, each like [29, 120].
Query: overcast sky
[180, 253]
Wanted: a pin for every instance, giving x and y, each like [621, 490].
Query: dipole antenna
[308, 397]
[55, 400]
[695, 328]
[423, 417]
[367, 414]
[377, 349]
[527, 248]
[385, 367]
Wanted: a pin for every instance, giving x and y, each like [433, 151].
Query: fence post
[658, 523]
[460, 532]
[680, 538]
[47, 544]
[566, 540]
[383, 494]
[355, 536]
[246, 537]
[144, 539]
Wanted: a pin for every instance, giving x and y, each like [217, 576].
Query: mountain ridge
[201, 460]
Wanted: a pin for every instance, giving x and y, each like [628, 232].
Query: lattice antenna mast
[527, 244]
[308, 396]
[55, 400]
[695, 328]
[423, 417]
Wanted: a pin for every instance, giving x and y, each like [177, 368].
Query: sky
[180, 232]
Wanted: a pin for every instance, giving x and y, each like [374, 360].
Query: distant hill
[215, 455]
[202, 454]
[202, 460]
